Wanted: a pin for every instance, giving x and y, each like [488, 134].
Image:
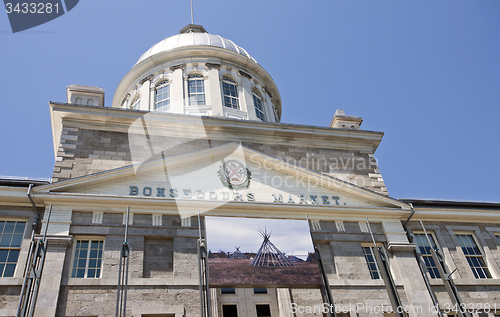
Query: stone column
[404, 260]
[48, 294]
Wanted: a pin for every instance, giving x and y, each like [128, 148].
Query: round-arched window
[230, 92]
[196, 90]
[162, 97]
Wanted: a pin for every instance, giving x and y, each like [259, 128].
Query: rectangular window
[229, 311]
[196, 90]
[371, 262]
[425, 249]
[260, 290]
[11, 237]
[263, 310]
[473, 255]
[87, 261]
[227, 291]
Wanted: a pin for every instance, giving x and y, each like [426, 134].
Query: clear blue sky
[427, 73]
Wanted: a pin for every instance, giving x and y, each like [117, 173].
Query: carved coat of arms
[234, 175]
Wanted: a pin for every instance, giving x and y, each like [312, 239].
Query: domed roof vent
[193, 35]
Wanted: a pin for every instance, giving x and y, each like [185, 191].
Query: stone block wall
[158, 257]
[472, 291]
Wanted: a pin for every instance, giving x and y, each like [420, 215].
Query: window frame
[87, 260]
[231, 105]
[196, 77]
[482, 255]
[230, 304]
[262, 304]
[9, 248]
[161, 84]
[371, 247]
[432, 234]
[262, 110]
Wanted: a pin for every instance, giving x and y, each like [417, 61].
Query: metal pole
[386, 275]
[326, 292]
[121, 293]
[449, 285]
[203, 274]
[192, 13]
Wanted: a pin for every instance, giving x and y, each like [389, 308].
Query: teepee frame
[238, 255]
[269, 254]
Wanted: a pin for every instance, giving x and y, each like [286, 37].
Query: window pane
[228, 291]
[371, 262]
[229, 311]
[20, 227]
[9, 270]
[9, 227]
[5, 241]
[3, 255]
[263, 310]
[13, 255]
[17, 239]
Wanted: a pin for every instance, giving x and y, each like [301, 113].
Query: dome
[193, 35]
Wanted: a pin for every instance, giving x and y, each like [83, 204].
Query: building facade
[191, 105]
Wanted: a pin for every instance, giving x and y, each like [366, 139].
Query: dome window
[259, 108]
[230, 92]
[196, 90]
[162, 96]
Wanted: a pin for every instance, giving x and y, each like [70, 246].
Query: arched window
[230, 92]
[196, 90]
[162, 96]
[259, 108]
[78, 101]
[90, 102]
[136, 104]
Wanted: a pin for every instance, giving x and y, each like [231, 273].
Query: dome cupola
[198, 73]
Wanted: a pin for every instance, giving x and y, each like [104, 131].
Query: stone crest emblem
[234, 175]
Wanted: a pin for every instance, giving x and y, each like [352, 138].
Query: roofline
[438, 203]
[16, 181]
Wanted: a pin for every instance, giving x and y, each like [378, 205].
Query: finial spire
[192, 14]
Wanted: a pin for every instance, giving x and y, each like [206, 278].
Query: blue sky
[427, 73]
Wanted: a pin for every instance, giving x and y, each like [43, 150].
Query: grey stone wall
[93, 301]
[158, 257]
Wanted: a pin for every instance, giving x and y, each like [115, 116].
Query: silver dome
[193, 39]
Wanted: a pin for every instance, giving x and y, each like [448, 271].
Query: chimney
[85, 95]
[341, 121]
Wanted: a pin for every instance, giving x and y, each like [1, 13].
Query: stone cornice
[119, 120]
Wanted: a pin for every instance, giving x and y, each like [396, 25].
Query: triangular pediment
[228, 173]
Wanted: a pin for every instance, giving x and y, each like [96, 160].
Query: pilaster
[50, 284]
[214, 94]
[177, 91]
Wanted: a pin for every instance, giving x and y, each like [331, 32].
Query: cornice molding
[119, 120]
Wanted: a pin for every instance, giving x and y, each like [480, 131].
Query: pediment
[228, 173]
